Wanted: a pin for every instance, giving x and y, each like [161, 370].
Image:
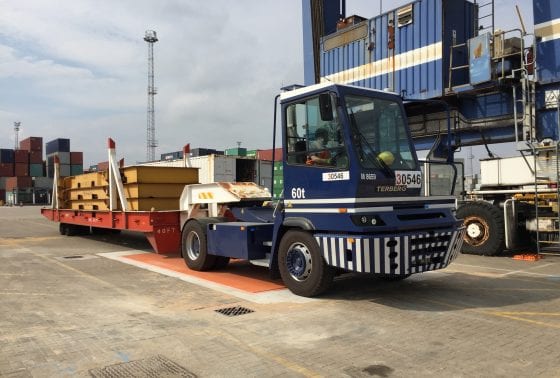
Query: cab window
[314, 137]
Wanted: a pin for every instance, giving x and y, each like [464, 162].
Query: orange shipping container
[32, 144]
[18, 183]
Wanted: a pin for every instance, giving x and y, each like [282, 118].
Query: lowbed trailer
[161, 228]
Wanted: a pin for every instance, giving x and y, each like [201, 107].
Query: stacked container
[6, 162]
[278, 179]
[76, 163]
[34, 148]
[58, 148]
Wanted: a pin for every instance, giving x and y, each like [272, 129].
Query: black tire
[194, 247]
[62, 228]
[485, 228]
[302, 266]
[221, 262]
[70, 230]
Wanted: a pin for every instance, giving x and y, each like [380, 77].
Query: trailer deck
[161, 228]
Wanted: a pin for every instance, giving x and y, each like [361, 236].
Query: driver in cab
[323, 155]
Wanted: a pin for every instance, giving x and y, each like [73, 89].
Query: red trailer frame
[162, 228]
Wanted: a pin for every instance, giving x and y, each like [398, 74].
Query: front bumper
[398, 254]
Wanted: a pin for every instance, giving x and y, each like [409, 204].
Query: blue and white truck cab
[351, 198]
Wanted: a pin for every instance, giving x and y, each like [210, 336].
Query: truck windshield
[379, 133]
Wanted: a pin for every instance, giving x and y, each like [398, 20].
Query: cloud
[78, 69]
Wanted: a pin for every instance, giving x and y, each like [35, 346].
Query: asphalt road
[64, 315]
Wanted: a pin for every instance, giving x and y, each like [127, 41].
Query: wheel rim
[193, 245]
[477, 231]
[299, 262]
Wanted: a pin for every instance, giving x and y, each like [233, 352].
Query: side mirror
[325, 107]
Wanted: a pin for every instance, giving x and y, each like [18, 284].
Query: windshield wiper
[373, 156]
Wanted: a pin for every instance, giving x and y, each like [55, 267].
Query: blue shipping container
[6, 155]
[58, 145]
[406, 50]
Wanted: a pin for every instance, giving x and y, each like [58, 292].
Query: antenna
[151, 143]
[16, 132]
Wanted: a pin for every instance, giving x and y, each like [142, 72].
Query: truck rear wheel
[193, 243]
[485, 228]
[301, 265]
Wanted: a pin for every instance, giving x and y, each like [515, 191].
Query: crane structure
[151, 37]
[482, 85]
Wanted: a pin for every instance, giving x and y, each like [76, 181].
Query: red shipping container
[21, 169]
[76, 158]
[32, 144]
[21, 156]
[102, 166]
[35, 157]
[18, 183]
[267, 154]
[6, 169]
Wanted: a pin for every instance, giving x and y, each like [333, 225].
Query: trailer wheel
[62, 228]
[195, 252]
[485, 228]
[301, 265]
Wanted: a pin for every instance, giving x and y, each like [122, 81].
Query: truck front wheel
[193, 243]
[301, 265]
[484, 224]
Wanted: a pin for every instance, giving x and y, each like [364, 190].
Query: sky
[78, 69]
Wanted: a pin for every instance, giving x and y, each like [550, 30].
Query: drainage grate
[234, 311]
[156, 366]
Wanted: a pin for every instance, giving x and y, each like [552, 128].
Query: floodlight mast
[151, 143]
[16, 136]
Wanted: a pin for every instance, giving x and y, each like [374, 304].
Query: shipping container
[21, 169]
[172, 155]
[36, 170]
[216, 168]
[6, 155]
[251, 153]
[15, 197]
[6, 169]
[76, 158]
[57, 145]
[267, 154]
[63, 158]
[76, 169]
[21, 156]
[35, 157]
[65, 170]
[22, 182]
[102, 166]
[406, 50]
[43, 182]
[238, 151]
[3, 182]
[32, 144]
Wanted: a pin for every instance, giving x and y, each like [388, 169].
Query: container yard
[352, 234]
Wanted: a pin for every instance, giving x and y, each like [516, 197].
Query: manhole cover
[234, 311]
[156, 366]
